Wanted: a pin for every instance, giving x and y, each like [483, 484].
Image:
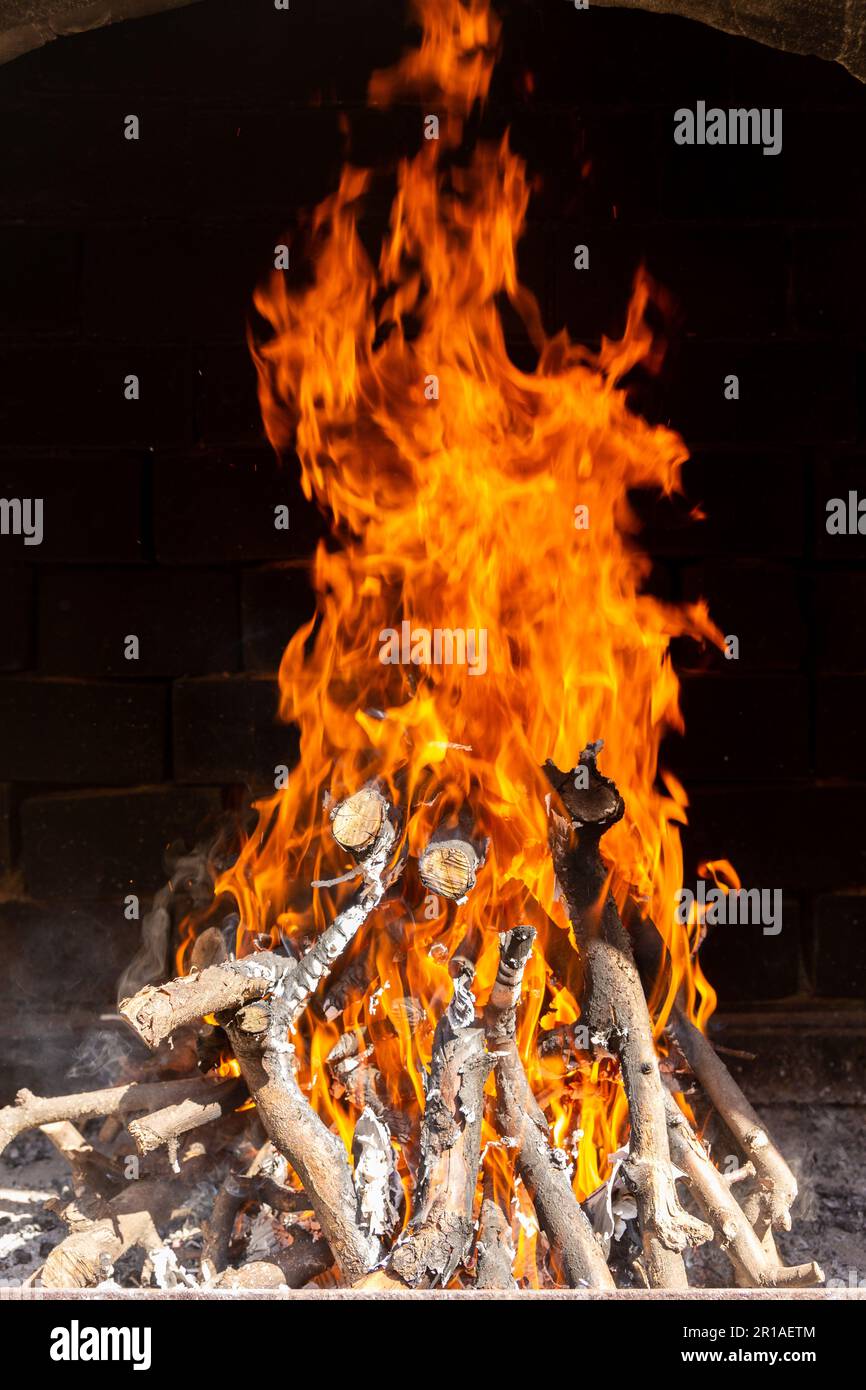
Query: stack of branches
[359, 1229]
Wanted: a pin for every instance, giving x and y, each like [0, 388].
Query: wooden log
[103, 1230]
[438, 1237]
[777, 1184]
[259, 1037]
[135, 1097]
[356, 822]
[523, 1126]
[494, 1248]
[378, 872]
[615, 1010]
[754, 1266]
[448, 866]
[209, 1101]
[157, 1010]
[293, 1267]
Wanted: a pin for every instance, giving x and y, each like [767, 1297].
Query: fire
[468, 496]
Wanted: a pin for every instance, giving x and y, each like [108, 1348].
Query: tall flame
[456, 483]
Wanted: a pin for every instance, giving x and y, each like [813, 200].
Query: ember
[449, 838]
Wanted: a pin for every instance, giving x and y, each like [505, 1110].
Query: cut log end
[449, 867]
[357, 822]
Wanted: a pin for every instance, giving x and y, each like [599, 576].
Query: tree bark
[522, 1124]
[615, 1010]
[259, 1037]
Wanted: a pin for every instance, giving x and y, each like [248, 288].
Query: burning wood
[439, 1234]
[616, 1012]
[357, 1205]
[523, 1126]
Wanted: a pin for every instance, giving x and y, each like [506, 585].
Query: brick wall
[121, 257]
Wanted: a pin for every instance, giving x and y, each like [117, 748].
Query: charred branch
[158, 1010]
[136, 1097]
[615, 1010]
[755, 1265]
[523, 1126]
[494, 1248]
[207, 1102]
[438, 1237]
[259, 1036]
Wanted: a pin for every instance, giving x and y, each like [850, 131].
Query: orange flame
[466, 494]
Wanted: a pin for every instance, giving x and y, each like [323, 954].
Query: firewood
[259, 1037]
[157, 1010]
[615, 1010]
[209, 1101]
[218, 1228]
[348, 1062]
[755, 1267]
[356, 822]
[777, 1184]
[494, 1249]
[136, 1097]
[378, 873]
[261, 1187]
[102, 1231]
[523, 1126]
[293, 1267]
[374, 1173]
[448, 866]
[438, 1236]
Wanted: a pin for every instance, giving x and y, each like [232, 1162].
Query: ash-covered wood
[259, 1036]
[374, 1173]
[378, 873]
[209, 1101]
[755, 1265]
[777, 1184]
[523, 1126]
[103, 1227]
[439, 1235]
[494, 1248]
[136, 1097]
[158, 1010]
[217, 1232]
[615, 1010]
[351, 1065]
